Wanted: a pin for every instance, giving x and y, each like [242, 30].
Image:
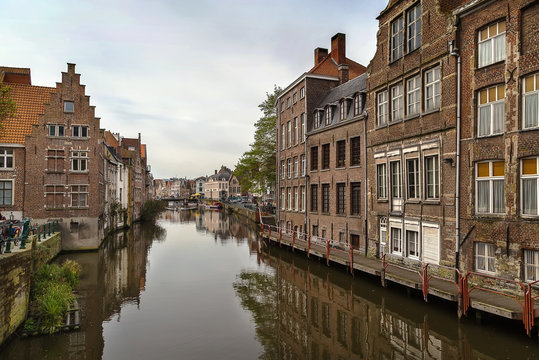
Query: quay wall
[244, 212]
[15, 280]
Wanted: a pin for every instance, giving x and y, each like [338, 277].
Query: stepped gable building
[30, 101]
[336, 165]
[498, 45]
[411, 134]
[294, 104]
[64, 165]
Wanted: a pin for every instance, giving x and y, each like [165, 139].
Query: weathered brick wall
[17, 175]
[509, 232]
[15, 281]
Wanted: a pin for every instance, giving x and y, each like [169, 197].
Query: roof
[328, 66]
[143, 151]
[30, 101]
[15, 75]
[349, 88]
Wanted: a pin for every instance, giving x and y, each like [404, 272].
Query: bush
[71, 272]
[52, 305]
[151, 210]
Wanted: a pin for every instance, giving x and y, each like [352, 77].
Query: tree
[8, 108]
[256, 168]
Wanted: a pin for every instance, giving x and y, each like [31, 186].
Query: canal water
[201, 286]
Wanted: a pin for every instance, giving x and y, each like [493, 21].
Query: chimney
[338, 48]
[319, 55]
[343, 73]
[70, 68]
[215, 172]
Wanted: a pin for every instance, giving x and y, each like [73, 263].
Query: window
[383, 234]
[302, 93]
[341, 207]
[282, 106]
[55, 160]
[283, 205]
[341, 153]
[325, 156]
[432, 89]
[382, 108]
[491, 44]
[355, 198]
[329, 115]
[303, 165]
[6, 158]
[342, 110]
[80, 131]
[69, 106]
[412, 95]
[296, 134]
[54, 196]
[484, 257]
[531, 102]
[315, 230]
[355, 151]
[396, 182]
[314, 197]
[287, 102]
[324, 233]
[325, 198]
[283, 170]
[490, 187]
[6, 192]
[289, 167]
[491, 110]
[432, 177]
[289, 198]
[317, 119]
[397, 106]
[357, 104]
[396, 38]
[302, 198]
[79, 195]
[412, 244]
[295, 98]
[289, 133]
[529, 179]
[79, 161]
[296, 166]
[303, 129]
[412, 178]
[396, 240]
[56, 130]
[381, 176]
[296, 199]
[314, 158]
[531, 265]
[413, 28]
[283, 137]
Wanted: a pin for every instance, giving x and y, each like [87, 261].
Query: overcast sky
[187, 75]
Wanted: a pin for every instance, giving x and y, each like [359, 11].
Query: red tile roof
[15, 75]
[30, 101]
[328, 66]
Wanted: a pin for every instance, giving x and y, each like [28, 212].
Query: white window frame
[413, 28]
[303, 164]
[433, 84]
[302, 93]
[79, 157]
[57, 189]
[397, 38]
[342, 109]
[490, 179]
[397, 103]
[416, 175]
[289, 167]
[413, 96]
[283, 170]
[289, 133]
[382, 108]
[436, 176]
[4, 189]
[527, 96]
[289, 198]
[412, 226]
[328, 115]
[296, 134]
[79, 129]
[295, 97]
[69, 106]
[396, 179]
[6, 155]
[283, 136]
[396, 248]
[82, 189]
[383, 239]
[531, 265]
[481, 251]
[357, 103]
[296, 172]
[303, 128]
[490, 105]
[54, 130]
[491, 41]
[381, 181]
[296, 199]
[283, 203]
[529, 177]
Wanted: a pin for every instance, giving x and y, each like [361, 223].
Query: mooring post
[293, 240]
[308, 245]
[383, 271]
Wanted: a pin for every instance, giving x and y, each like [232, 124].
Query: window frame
[435, 84]
[436, 177]
[355, 151]
[67, 109]
[314, 197]
[490, 179]
[355, 198]
[54, 129]
[491, 39]
[79, 192]
[488, 104]
[328, 115]
[325, 198]
[413, 96]
[57, 190]
[416, 175]
[302, 92]
[397, 103]
[381, 181]
[79, 159]
[534, 91]
[396, 248]
[340, 154]
[326, 156]
[484, 254]
[340, 192]
[416, 24]
[8, 156]
[314, 158]
[4, 190]
[80, 129]
[528, 254]
[396, 36]
[530, 176]
[382, 107]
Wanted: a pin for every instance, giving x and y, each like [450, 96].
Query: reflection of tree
[152, 232]
[258, 294]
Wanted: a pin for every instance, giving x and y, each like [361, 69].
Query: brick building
[411, 134]
[296, 102]
[336, 187]
[498, 45]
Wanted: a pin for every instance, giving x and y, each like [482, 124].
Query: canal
[200, 286]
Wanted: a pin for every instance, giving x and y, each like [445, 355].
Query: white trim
[393, 153]
[430, 145]
[380, 155]
[12, 145]
[410, 149]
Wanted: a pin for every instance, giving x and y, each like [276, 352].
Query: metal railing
[15, 234]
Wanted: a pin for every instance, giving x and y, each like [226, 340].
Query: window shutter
[431, 244]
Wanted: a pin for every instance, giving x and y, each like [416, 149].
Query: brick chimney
[343, 70]
[338, 48]
[319, 55]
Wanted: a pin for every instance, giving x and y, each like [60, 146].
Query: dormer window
[329, 115]
[357, 104]
[317, 120]
[342, 110]
[69, 106]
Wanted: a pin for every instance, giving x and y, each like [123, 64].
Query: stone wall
[15, 280]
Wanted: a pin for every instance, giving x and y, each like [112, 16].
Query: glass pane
[483, 196]
[529, 196]
[498, 196]
[530, 110]
[498, 168]
[483, 169]
[499, 48]
[529, 166]
[485, 53]
[484, 120]
[75, 131]
[498, 117]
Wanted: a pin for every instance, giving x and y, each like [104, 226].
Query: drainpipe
[305, 175]
[453, 52]
[365, 230]
[278, 165]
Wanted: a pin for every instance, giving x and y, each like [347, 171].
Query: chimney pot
[319, 55]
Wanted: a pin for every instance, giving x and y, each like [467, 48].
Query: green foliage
[8, 107]
[71, 272]
[30, 325]
[151, 210]
[256, 167]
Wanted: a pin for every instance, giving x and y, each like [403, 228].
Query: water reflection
[307, 311]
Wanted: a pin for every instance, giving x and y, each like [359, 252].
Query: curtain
[490, 257]
[484, 120]
[498, 197]
[483, 203]
[529, 196]
[498, 117]
[530, 110]
[499, 48]
[485, 53]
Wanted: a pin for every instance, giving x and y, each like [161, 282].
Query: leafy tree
[8, 107]
[256, 168]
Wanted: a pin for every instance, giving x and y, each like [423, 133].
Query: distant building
[234, 189]
[216, 188]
